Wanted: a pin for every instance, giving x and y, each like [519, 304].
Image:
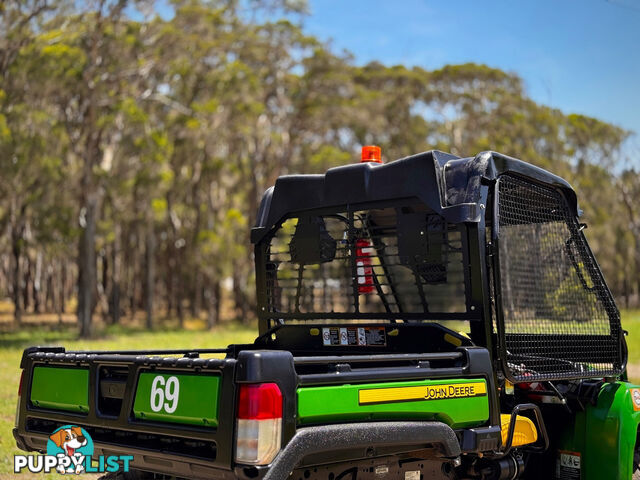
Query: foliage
[135, 148]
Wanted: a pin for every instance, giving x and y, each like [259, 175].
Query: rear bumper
[368, 436]
[143, 459]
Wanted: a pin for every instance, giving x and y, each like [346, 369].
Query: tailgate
[163, 409]
[457, 402]
[455, 388]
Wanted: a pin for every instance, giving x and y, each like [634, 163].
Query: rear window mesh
[559, 319]
[314, 266]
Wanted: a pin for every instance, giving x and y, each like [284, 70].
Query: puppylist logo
[70, 451]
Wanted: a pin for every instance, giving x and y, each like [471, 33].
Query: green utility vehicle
[432, 318]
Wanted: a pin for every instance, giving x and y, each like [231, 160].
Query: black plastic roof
[447, 184]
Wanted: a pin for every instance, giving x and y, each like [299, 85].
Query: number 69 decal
[164, 395]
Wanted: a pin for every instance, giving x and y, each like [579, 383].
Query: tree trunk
[195, 302]
[26, 290]
[239, 296]
[169, 288]
[179, 307]
[49, 299]
[87, 265]
[17, 279]
[132, 278]
[62, 298]
[17, 241]
[104, 287]
[149, 273]
[37, 283]
[212, 295]
[114, 297]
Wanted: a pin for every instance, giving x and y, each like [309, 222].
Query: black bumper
[312, 440]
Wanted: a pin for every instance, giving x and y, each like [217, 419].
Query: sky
[582, 56]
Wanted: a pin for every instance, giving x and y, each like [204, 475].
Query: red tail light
[259, 402]
[258, 424]
[364, 265]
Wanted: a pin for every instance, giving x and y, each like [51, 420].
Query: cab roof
[447, 184]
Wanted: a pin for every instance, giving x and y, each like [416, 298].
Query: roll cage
[437, 238]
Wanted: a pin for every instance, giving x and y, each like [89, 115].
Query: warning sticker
[635, 398]
[330, 336]
[568, 465]
[354, 336]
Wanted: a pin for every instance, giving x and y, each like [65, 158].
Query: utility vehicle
[434, 317]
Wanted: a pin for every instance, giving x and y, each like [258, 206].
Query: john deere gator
[434, 317]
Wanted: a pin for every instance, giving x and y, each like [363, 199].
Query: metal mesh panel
[559, 319]
[392, 262]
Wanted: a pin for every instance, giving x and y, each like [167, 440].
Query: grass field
[12, 344]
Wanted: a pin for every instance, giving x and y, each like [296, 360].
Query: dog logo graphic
[73, 442]
[70, 451]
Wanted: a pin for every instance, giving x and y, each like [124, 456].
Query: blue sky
[581, 56]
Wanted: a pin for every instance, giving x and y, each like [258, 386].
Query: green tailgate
[61, 388]
[184, 398]
[456, 402]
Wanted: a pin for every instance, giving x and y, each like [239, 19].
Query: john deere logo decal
[70, 451]
[423, 392]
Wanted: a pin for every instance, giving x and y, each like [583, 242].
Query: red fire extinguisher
[364, 248]
[364, 266]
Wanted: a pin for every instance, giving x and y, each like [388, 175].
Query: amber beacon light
[371, 153]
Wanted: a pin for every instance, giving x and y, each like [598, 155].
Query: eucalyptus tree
[89, 65]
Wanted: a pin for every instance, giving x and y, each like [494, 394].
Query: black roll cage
[463, 190]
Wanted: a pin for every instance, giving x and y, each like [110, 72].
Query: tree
[139, 147]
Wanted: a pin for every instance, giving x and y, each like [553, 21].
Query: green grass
[12, 344]
[631, 323]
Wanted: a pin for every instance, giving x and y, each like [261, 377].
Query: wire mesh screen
[392, 262]
[560, 320]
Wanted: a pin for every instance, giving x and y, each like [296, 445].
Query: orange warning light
[371, 153]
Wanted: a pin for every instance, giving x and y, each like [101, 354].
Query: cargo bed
[111, 395]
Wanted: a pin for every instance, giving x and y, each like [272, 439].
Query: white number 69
[170, 393]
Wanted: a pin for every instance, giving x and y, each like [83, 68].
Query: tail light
[364, 265]
[259, 424]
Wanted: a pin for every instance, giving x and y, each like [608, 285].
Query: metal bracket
[512, 428]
